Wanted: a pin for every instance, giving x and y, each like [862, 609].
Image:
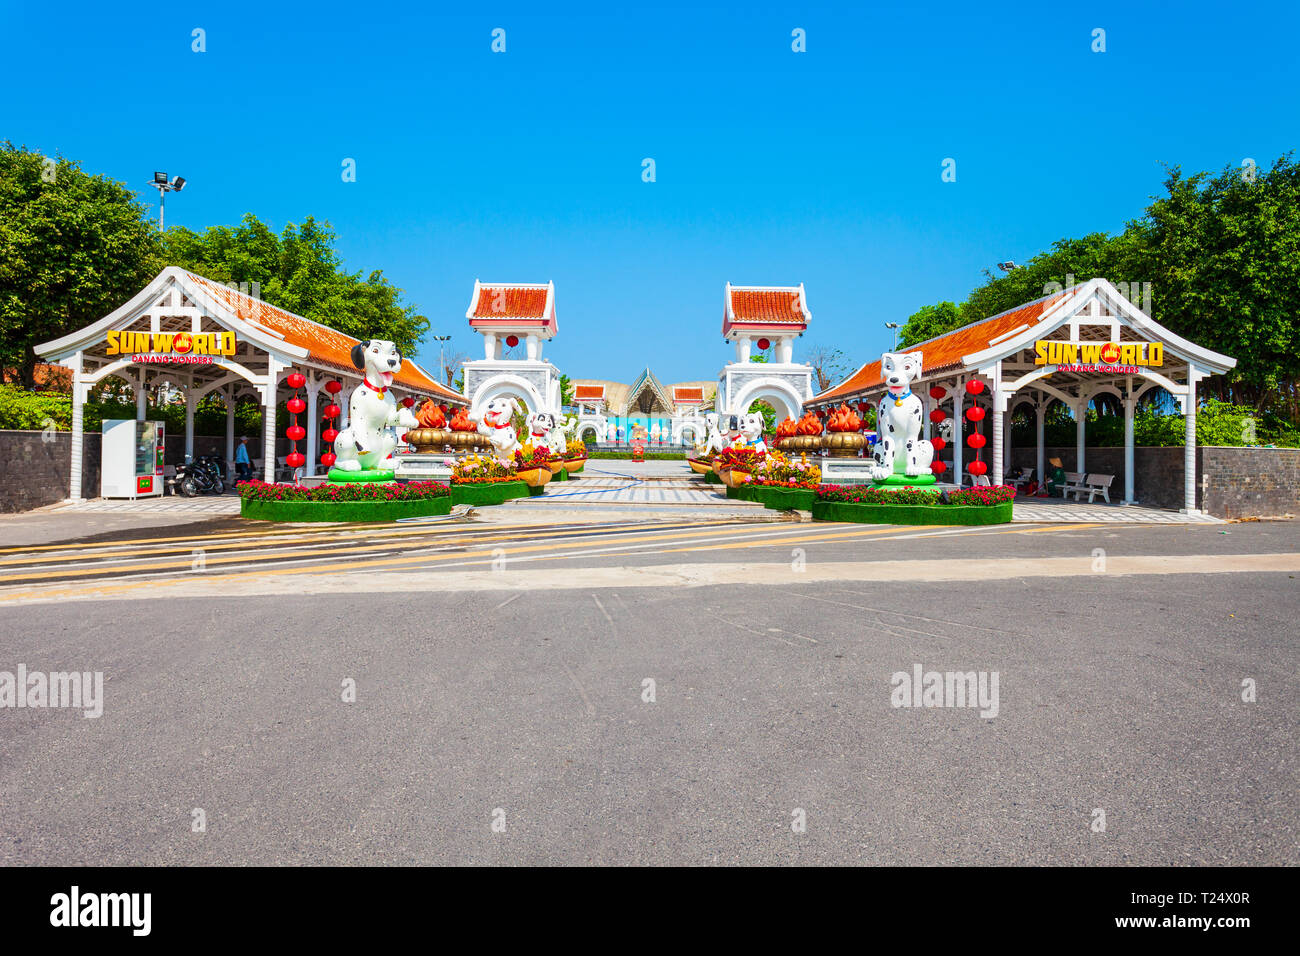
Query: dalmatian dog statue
[900, 448]
[714, 441]
[750, 433]
[498, 428]
[542, 432]
[373, 413]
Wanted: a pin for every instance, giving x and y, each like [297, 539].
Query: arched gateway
[510, 313]
[766, 317]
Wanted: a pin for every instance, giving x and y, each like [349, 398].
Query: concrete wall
[1234, 482]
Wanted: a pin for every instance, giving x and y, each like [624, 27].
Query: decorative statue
[750, 428]
[542, 431]
[498, 428]
[715, 441]
[900, 448]
[368, 441]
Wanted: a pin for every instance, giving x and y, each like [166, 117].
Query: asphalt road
[1117, 692]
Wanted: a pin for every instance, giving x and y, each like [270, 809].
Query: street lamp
[442, 368]
[894, 326]
[164, 187]
[1007, 266]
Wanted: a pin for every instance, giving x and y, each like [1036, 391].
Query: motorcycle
[201, 476]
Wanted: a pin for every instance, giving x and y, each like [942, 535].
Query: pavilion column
[268, 419]
[141, 398]
[78, 438]
[490, 346]
[999, 427]
[1189, 446]
[1129, 404]
[1040, 464]
[229, 392]
[958, 432]
[925, 418]
[1080, 426]
[313, 425]
[189, 420]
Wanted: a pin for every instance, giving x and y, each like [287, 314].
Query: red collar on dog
[378, 388]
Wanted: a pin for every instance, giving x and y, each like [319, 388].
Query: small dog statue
[542, 433]
[498, 428]
[373, 413]
[750, 433]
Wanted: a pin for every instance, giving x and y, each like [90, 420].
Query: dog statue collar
[901, 397]
[380, 389]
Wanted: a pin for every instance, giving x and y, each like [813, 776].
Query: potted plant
[532, 466]
[846, 438]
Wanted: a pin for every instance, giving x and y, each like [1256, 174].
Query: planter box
[487, 492]
[266, 510]
[782, 499]
[711, 479]
[912, 514]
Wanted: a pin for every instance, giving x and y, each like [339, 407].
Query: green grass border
[711, 478]
[265, 509]
[782, 499]
[912, 514]
[487, 492]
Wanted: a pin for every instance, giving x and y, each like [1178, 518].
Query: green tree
[300, 271]
[73, 247]
[929, 321]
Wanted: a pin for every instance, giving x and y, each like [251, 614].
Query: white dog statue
[900, 448]
[714, 441]
[498, 428]
[542, 433]
[373, 414]
[750, 429]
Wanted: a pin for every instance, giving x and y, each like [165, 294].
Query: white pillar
[1080, 425]
[1007, 463]
[925, 417]
[229, 392]
[189, 420]
[958, 430]
[141, 398]
[533, 346]
[77, 437]
[489, 345]
[268, 419]
[785, 350]
[313, 423]
[1129, 404]
[998, 428]
[742, 349]
[1040, 463]
[1189, 449]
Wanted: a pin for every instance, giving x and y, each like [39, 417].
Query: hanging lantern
[938, 467]
[332, 411]
[938, 443]
[296, 405]
[329, 434]
[975, 414]
[296, 432]
[512, 340]
[977, 468]
[408, 401]
[937, 415]
[334, 387]
[977, 440]
[296, 380]
[295, 459]
[328, 459]
[937, 392]
[974, 387]
[764, 344]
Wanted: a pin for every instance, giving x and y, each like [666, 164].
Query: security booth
[1072, 346]
[202, 337]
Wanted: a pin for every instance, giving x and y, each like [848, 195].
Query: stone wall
[1234, 482]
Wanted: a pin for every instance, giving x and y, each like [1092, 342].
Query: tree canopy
[1218, 257]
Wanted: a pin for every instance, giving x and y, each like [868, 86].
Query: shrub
[991, 495]
[368, 491]
[867, 495]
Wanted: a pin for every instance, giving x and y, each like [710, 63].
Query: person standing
[243, 467]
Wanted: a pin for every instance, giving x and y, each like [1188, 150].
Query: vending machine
[132, 459]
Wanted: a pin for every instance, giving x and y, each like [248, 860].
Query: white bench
[1096, 485]
[1073, 484]
[1025, 477]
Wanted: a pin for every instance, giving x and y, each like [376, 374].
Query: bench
[1025, 477]
[1073, 483]
[1096, 485]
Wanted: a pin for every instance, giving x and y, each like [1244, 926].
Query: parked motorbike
[201, 476]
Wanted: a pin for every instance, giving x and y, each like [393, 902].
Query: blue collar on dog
[899, 398]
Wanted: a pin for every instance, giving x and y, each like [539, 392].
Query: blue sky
[773, 167]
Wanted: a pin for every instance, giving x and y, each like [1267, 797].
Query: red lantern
[333, 387]
[296, 380]
[938, 443]
[512, 340]
[864, 407]
[329, 434]
[937, 392]
[296, 433]
[332, 411]
[975, 414]
[408, 401]
[938, 467]
[977, 468]
[328, 459]
[974, 387]
[977, 440]
[296, 405]
[764, 344]
[295, 459]
[937, 415]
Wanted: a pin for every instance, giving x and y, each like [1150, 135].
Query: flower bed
[862, 503]
[330, 502]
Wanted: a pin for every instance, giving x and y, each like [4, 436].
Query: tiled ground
[170, 504]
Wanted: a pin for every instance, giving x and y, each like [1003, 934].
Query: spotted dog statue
[750, 429]
[714, 441]
[900, 448]
[498, 428]
[542, 433]
[373, 414]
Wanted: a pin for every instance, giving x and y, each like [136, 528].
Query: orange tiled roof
[323, 344]
[498, 303]
[687, 394]
[588, 392]
[945, 351]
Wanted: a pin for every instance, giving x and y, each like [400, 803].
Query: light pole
[894, 326]
[164, 187]
[442, 368]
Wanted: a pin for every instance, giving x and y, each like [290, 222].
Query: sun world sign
[1123, 357]
[180, 348]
